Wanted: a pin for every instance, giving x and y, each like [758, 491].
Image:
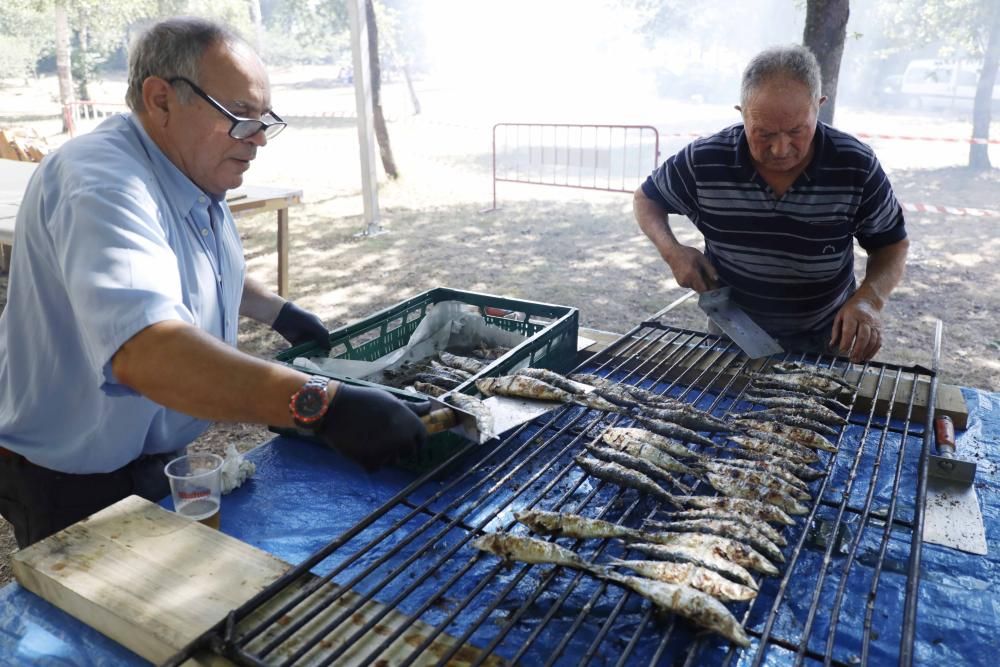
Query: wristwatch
[308, 405]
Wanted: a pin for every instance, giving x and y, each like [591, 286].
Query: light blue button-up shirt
[110, 238]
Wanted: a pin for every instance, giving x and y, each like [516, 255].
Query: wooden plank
[153, 581]
[7, 151]
[692, 364]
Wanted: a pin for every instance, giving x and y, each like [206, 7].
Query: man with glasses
[118, 340]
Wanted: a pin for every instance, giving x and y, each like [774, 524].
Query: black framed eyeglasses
[242, 128]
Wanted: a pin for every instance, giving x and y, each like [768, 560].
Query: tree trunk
[979, 156]
[258, 25]
[381, 131]
[83, 57]
[826, 28]
[413, 91]
[63, 66]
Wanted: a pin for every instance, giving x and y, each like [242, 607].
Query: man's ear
[822, 100]
[738, 108]
[156, 98]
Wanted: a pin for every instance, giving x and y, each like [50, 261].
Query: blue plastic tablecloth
[303, 494]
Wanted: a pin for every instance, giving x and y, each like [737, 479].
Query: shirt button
[204, 231]
[201, 200]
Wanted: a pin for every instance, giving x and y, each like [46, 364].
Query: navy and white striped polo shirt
[789, 260]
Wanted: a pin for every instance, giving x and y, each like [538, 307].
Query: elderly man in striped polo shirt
[779, 199]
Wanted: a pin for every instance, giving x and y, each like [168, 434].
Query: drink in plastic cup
[196, 487]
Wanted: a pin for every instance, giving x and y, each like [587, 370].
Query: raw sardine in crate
[550, 343]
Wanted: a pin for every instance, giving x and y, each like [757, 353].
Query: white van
[942, 83]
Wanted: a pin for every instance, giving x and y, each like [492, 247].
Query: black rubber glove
[372, 426]
[300, 326]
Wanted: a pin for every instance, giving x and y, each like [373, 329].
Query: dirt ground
[567, 247]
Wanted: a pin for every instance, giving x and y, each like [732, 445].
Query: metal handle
[944, 436]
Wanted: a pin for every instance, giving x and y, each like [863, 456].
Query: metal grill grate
[406, 583]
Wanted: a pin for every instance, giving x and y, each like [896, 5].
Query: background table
[259, 199]
[14, 177]
[304, 495]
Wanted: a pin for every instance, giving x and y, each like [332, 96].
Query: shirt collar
[175, 184]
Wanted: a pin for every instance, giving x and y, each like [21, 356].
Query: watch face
[310, 402]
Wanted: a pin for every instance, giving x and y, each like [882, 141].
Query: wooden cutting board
[153, 581]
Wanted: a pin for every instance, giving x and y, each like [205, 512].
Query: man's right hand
[372, 426]
[692, 269]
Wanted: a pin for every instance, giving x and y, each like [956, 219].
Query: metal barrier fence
[75, 113]
[613, 158]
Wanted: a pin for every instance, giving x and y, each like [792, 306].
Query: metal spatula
[750, 338]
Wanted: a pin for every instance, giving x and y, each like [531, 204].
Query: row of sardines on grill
[699, 551]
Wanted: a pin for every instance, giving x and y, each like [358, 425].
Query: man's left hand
[857, 329]
[299, 326]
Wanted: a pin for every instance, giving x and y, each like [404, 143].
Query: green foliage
[308, 31]
[656, 19]
[960, 27]
[25, 33]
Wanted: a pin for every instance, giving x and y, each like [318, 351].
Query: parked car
[941, 83]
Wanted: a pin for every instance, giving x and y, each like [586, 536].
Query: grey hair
[173, 48]
[793, 61]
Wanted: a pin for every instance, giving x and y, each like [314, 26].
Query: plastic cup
[196, 487]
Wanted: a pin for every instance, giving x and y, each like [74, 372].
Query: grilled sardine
[671, 430]
[785, 393]
[734, 488]
[726, 547]
[626, 459]
[687, 416]
[750, 476]
[467, 364]
[755, 526]
[701, 609]
[700, 556]
[474, 406]
[754, 508]
[531, 550]
[775, 445]
[804, 383]
[619, 474]
[810, 408]
[554, 379]
[448, 371]
[727, 528]
[617, 395]
[802, 436]
[771, 469]
[789, 416]
[448, 382]
[648, 453]
[572, 525]
[819, 371]
[799, 470]
[663, 443]
[688, 574]
[520, 386]
[685, 601]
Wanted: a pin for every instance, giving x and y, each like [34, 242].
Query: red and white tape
[950, 210]
[911, 137]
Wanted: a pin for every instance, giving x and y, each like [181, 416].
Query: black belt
[6, 453]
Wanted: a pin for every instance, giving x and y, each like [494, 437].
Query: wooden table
[14, 177]
[259, 199]
[250, 199]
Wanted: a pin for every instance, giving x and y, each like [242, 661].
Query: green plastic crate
[551, 343]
